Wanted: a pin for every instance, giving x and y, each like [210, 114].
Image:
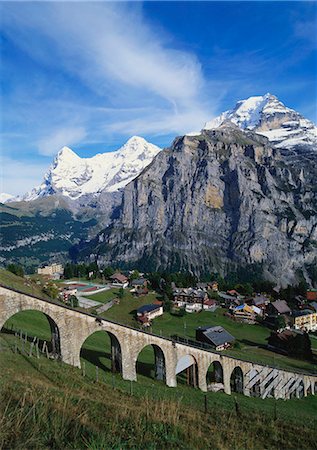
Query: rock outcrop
[217, 201]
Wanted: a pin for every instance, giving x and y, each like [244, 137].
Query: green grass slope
[47, 404]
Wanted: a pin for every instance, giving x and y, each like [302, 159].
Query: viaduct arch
[74, 327]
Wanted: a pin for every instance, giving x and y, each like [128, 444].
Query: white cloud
[18, 177]
[51, 144]
[117, 54]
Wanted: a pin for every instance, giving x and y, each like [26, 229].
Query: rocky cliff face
[216, 201]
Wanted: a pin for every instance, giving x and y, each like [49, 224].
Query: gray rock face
[215, 202]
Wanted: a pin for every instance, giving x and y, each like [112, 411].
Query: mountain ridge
[73, 177]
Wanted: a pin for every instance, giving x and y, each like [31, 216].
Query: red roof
[209, 302]
[311, 295]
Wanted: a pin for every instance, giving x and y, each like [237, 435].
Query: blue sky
[90, 75]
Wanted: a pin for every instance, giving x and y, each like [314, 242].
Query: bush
[16, 269]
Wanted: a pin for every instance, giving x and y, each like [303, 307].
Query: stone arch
[254, 383]
[187, 370]
[214, 376]
[54, 345]
[114, 350]
[237, 380]
[159, 363]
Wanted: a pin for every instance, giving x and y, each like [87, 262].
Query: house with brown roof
[279, 307]
[120, 280]
[190, 298]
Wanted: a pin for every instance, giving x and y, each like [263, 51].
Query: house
[216, 336]
[146, 313]
[68, 292]
[228, 300]
[190, 298]
[139, 286]
[120, 280]
[233, 292]
[291, 342]
[245, 313]
[139, 282]
[305, 320]
[311, 295]
[209, 305]
[260, 301]
[53, 271]
[278, 307]
[210, 285]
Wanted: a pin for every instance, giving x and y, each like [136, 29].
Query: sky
[90, 75]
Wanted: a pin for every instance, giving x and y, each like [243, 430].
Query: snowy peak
[268, 116]
[66, 154]
[73, 176]
[5, 197]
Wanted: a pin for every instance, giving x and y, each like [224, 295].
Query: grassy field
[104, 296]
[46, 404]
[126, 310]
[22, 284]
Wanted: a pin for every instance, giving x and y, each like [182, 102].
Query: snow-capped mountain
[73, 176]
[5, 197]
[268, 116]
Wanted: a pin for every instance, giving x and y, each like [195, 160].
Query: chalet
[279, 307]
[234, 293]
[291, 342]
[209, 305]
[120, 280]
[216, 336]
[245, 313]
[139, 282]
[260, 301]
[305, 320]
[210, 285]
[228, 300]
[139, 286]
[189, 298]
[146, 313]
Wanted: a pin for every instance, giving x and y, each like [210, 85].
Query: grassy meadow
[47, 404]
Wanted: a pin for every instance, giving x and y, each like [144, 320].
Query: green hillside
[46, 404]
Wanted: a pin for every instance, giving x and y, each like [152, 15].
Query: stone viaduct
[70, 328]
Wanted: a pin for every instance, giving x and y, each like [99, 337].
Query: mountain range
[241, 192]
[74, 177]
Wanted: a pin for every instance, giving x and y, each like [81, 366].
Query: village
[203, 312]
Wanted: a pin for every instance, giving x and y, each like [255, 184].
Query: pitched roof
[259, 300]
[281, 306]
[119, 276]
[217, 335]
[147, 308]
[138, 282]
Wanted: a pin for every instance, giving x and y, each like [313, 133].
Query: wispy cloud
[18, 176]
[115, 53]
[59, 138]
